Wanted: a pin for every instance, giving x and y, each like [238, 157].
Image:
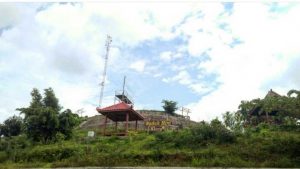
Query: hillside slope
[177, 121]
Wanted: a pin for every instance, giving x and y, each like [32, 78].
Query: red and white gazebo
[120, 112]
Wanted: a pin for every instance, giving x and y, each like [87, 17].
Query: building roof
[257, 108]
[271, 93]
[117, 112]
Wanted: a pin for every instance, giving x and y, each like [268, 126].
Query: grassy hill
[201, 145]
[97, 122]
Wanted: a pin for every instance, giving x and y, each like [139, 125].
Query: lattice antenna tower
[107, 45]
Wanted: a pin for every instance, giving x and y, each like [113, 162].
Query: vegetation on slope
[207, 144]
[233, 143]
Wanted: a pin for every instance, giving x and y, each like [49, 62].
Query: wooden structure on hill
[177, 122]
[257, 115]
[271, 93]
[120, 112]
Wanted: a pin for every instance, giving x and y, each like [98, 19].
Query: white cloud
[184, 78]
[165, 56]
[138, 66]
[126, 24]
[64, 44]
[248, 70]
[10, 14]
[199, 88]
[168, 56]
[166, 80]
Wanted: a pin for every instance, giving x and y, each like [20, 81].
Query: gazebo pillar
[116, 127]
[136, 124]
[105, 122]
[127, 119]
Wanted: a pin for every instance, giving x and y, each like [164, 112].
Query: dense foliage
[43, 120]
[231, 143]
[206, 144]
[67, 121]
[11, 127]
[277, 109]
[169, 106]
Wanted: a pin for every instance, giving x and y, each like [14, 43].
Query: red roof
[115, 107]
[117, 112]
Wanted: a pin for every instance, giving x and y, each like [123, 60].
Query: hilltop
[177, 121]
[260, 134]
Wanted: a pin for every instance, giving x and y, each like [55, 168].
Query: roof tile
[119, 106]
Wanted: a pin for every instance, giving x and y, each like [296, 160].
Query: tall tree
[234, 121]
[41, 117]
[36, 99]
[67, 121]
[50, 100]
[43, 126]
[229, 120]
[36, 103]
[169, 106]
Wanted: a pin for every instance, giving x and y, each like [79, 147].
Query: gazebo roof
[117, 112]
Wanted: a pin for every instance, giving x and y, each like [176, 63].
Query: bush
[203, 133]
[3, 156]
[285, 145]
[11, 148]
[52, 153]
[11, 127]
[206, 133]
[200, 135]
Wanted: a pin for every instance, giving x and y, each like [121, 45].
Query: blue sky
[206, 56]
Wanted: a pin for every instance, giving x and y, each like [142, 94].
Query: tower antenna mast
[123, 92]
[107, 45]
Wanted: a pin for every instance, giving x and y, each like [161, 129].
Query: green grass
[264, 148]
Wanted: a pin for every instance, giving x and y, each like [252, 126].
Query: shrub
[52, 153]
[3, 156]
[206, 133]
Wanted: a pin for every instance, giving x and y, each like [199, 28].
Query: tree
[41, 117]
[229, 120]
[36, 103]
[43, 126]
[246, 107]
[67, 121]
[169, 106]
[216, 123]
[291, 92]
[50, 100]
[11, 127]
[49, 124]
[234, 121]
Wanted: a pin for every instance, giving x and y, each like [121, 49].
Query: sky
[205, 56]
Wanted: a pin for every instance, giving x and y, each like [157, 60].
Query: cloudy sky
[205, 56]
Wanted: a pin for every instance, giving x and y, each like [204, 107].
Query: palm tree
[293, 91]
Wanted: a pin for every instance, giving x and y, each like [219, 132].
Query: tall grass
[201, 146]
